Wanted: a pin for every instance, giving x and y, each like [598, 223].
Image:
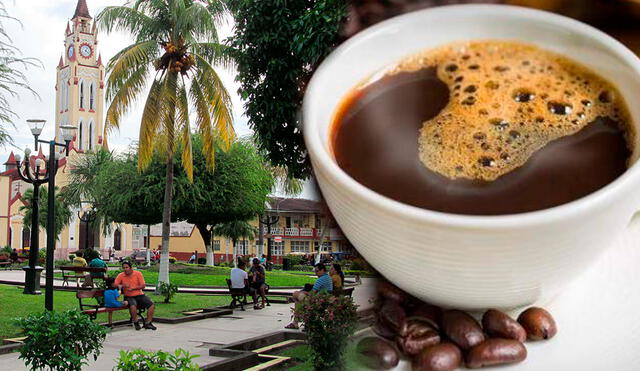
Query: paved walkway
[196, 337]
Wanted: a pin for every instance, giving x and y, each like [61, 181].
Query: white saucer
[598, 317]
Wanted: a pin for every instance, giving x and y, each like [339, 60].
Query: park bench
[92, 310]
[76, 273]
[5, 265]
[238, 296]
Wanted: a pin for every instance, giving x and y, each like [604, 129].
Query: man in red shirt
[132, 283]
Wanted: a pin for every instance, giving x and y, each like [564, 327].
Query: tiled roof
[293, 205]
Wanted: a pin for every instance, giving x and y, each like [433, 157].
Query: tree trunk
[321, 242]
[163, 275]
[235, 251]
[207, 238]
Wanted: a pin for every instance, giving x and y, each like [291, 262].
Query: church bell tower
[80, 82]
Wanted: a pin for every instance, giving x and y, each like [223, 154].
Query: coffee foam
[507, 100]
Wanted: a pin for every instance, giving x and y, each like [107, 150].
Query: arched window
[91, 96]
[90, 136]
[80, 136]
[81, 94]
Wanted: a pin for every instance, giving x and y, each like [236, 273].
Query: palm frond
[127, 19]
[185, 131]
[218, 99]
[127, 61]
[126, 93]
[150, 124]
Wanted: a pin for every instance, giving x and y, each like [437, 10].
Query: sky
[41, 36]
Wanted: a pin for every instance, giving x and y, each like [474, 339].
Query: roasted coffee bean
[496, 352]
[392, 315]
[499, 325]
[462, 329]
[538, 323]
[427, 312]
[377, 353]
[391, 293]
[417, 335]
[382, 329]
[440, 357]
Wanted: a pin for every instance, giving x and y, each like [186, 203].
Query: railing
[307, 232]
[332, 234]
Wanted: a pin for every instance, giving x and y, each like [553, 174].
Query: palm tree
[83, 186]
[175, 48]
[62, 212]
[235, 230]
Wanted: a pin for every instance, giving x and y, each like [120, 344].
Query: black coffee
[484, 128]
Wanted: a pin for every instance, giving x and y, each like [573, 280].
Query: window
[300, 246]
[80, 135]
[216, 245]
[242, 247]
[326, 246]
[81, 94]
[277, 249]
[92, 93]
[90, 143]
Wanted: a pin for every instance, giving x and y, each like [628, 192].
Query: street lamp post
[67, 132]
[33, 270]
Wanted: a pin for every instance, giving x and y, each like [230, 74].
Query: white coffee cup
[471, 262]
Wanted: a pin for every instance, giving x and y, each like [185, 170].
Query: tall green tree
[62, 211]
[83, 190]
[178, 40]
[277, 44]
[235, 230]
[237, 190]
[12, 77]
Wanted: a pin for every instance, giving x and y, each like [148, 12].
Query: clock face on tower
[70, 51]
[85, 50]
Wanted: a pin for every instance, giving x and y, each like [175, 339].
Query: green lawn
[194, 275]
[15, 304]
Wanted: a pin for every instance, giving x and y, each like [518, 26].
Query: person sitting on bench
[258, 284]
[323, 283]
[132, 283]
[111, 295]
[239, 278]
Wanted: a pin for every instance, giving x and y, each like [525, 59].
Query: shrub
[7, 250]
[90, 254]
[60, 341]
[140, 360]
[72, 256]
[60, 263]
[168, 290]
[294, 259]
[328, 322]
[202, 261]
[304, 268]
[4, 258]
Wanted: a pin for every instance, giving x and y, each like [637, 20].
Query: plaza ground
[195, 337]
